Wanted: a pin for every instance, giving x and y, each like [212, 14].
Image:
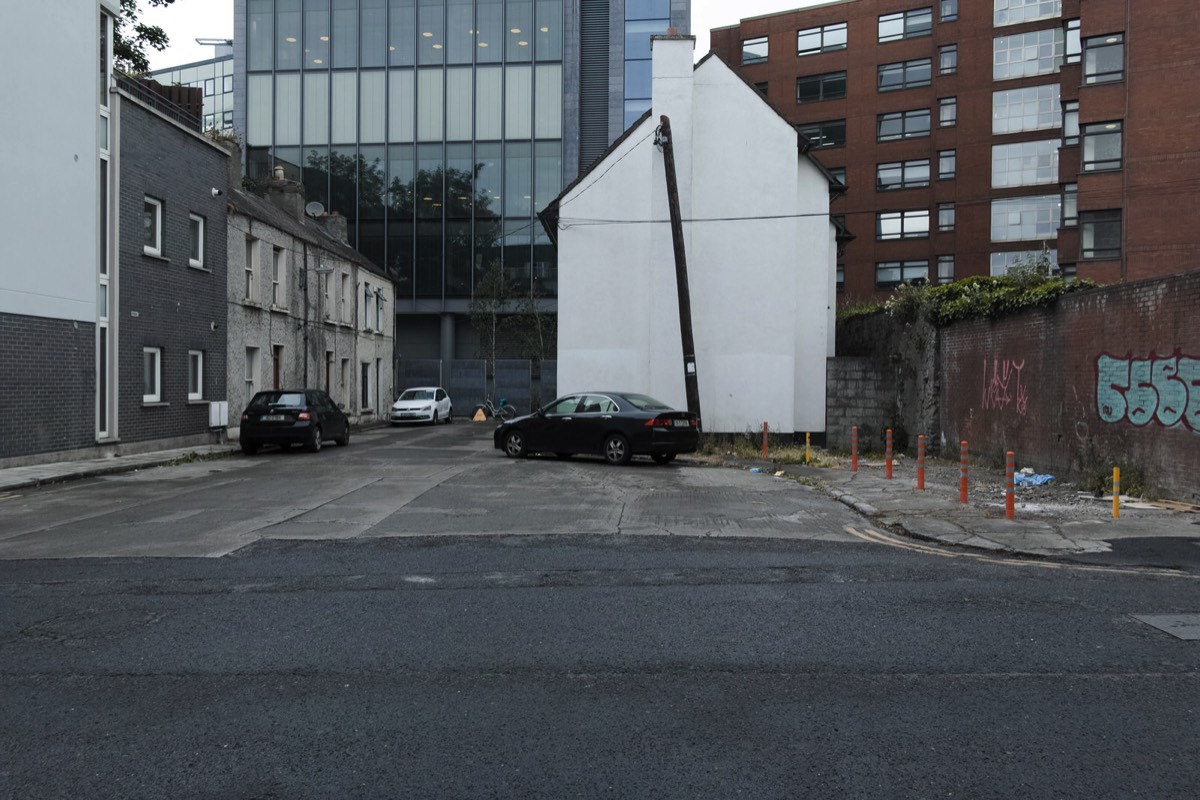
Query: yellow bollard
[807, 440]
[1116, 492]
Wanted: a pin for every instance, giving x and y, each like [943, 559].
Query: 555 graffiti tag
[1137, 390]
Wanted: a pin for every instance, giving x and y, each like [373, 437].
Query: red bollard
[962, 479]
[888, 454]
[921, 463]
[764, 455]
[854, 448]
[1010, 466]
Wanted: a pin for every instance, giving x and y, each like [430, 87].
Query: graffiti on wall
[1138, 390]
[1002, 386]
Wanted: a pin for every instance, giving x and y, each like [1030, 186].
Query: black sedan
[292, 416]
[616, 425]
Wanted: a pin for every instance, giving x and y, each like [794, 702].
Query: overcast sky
[186, 20]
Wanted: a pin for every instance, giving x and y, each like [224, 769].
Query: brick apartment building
[971, 133]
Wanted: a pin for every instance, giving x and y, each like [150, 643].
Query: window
[365, 386]
[949, 10]
[906, 25]
[947, 112]
[1070, 205]
[195, 374]
[947, 164]
[905, 74]
[814, 88]
[821, 40]
[754, 51]
[278, 274]
[210, 87]
[227, 119]
[1011, 12]
[152, 226]
[761, 88]
[196, 256]
[1025, 218]
[1101, 146]
[345, 298]
[151, 374]
[210, 121]
[945, 265]
[1025, 54]
[1025, 163]
[1001, 263]
[945, 217]
[251, 260]
[838, 174]
[890, 274]
[902, 175]
[1030, 109]
[903, 125]
[1104, 58]
[948, 59]
[831, 133]
[1100, 234]
[912, 224]
[378, 311]
[227, 84]
[1070, 122]
[1072, 47]
[841, 277]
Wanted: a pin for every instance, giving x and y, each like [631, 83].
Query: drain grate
[1181, 626]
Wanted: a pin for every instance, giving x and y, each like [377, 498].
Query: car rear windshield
[645, 403]
[417, 394]
[285, 399]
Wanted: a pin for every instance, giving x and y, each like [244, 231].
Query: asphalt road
[349, 625]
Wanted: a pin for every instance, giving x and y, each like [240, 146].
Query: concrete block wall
[48, 388]
[162, 301]
[860, 392]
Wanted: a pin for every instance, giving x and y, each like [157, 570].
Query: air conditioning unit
[218, 414]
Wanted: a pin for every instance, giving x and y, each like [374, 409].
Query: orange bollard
[807, 442]
[888, 454]
[921, 463]
[764, 455]
[1116, 492]
[854, 448]
[962, 477]
[1010, 467]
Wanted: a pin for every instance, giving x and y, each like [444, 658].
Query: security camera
[217, 192]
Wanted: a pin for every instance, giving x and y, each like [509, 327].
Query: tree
[132, 37]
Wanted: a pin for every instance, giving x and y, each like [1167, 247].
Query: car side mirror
[341, 406]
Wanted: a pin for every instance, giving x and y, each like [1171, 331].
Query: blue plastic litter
[1021, 479]
[755, 469]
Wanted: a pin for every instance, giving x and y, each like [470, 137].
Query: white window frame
[251, 258]
[196, 370]
[156, 248]
[278, 276]
[155, 395]
[345, 298]
[196, 240]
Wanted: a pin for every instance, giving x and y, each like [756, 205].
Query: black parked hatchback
[293, 416]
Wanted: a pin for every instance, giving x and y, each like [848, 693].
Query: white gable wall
[760, 263]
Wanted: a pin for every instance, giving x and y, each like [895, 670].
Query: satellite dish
[314, 209]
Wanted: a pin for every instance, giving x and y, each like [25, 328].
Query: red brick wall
[1110, 376]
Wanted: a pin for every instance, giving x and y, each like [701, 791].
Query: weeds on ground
[1133, 483]
[716, 450]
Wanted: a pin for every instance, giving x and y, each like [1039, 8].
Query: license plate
[273, 418]
[681, 423]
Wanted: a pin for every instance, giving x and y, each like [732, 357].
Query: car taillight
[303, 415]
[245, 416]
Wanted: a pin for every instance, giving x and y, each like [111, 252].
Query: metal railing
[144, 90]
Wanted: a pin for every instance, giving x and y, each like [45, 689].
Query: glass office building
[440, 128]
[213, 76]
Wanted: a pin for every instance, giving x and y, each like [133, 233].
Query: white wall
[760, 263]
[49, 159]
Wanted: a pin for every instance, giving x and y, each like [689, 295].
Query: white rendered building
[761, 257]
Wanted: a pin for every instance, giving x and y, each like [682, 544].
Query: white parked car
[422, 404]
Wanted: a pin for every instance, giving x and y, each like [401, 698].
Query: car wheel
[345, 440]
[249, 449]
[449, 415]
[616, 449]
[514, 445]
[663, 458]
[314, 439]
[434, 420]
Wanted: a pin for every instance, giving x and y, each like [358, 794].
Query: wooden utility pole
[690, 382]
